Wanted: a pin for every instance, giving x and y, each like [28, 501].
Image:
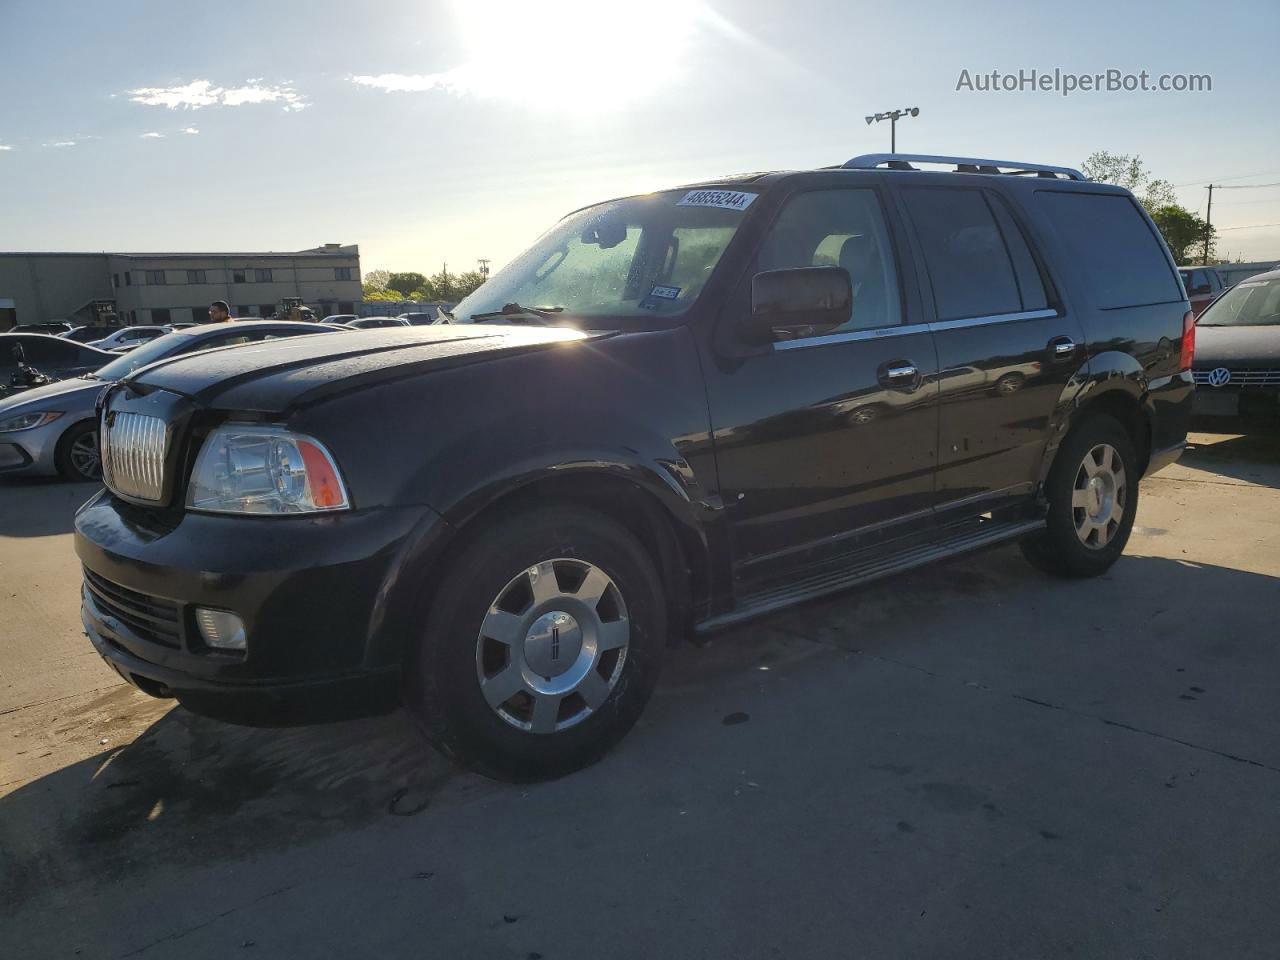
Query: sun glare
[571, 54]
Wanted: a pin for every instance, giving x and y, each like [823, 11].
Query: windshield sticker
[723, 199]
[666, 293]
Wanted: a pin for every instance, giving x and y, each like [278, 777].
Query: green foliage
[1132, 174]
[405, 283]
[1183, 231]
[410, 285]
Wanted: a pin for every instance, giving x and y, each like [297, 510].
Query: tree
[469, 282]
[376, 280]
[405, 283]
[1132, 174]
[1183, 231]
[382, 296]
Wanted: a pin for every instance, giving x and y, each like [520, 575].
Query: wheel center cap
[1097, 494]
[553, 643]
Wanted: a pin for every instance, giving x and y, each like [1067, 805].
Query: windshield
[150, 352]
[1248, 304]
[642, 256]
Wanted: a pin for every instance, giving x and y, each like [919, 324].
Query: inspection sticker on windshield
[724, 199]
[666, 293]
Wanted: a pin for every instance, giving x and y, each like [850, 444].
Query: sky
[433, 132]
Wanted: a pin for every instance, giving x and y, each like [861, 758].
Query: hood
[1237, 347]
[276, 375]
[68, 395]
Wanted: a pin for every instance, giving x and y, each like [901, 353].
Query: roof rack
[903, 161]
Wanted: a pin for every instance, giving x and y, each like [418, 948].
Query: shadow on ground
[40, 506]
[192, 790]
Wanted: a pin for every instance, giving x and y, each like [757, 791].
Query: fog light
[220, 629]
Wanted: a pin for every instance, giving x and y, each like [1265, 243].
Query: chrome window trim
[880, 333]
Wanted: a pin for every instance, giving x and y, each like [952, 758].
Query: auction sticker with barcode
[724, 199]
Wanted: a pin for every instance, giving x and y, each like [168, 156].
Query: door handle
[899, 373]
[1062, 348]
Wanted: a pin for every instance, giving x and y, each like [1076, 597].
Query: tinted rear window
[1109, 238]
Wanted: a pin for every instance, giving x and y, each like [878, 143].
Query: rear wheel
[542, 646]
[1093, 498]
[77, 456]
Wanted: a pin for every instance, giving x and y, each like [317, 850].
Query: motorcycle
[25, 377]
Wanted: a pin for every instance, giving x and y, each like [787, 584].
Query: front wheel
[542, 645]
[1092, 491]
[77, 456]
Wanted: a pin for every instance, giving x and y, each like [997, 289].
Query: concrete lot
[970, 761]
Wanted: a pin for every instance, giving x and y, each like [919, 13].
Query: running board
[874, 565]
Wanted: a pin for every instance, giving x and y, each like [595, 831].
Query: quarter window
[970, 268]
[839, 228]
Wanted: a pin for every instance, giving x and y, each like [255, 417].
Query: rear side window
[970, 267]
[1121, 257]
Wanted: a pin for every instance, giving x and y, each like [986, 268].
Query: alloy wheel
[552, 646]
[85, 457]
[1098, 496]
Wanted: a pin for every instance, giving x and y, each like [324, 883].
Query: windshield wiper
[511, 311]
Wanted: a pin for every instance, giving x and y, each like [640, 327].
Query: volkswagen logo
[1219, 377]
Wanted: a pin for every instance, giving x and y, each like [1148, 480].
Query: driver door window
[840, 228]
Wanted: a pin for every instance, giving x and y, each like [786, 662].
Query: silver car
[54, 429]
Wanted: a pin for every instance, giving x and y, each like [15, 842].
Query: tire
[1086, 532]
[521, 610]
[71, 456]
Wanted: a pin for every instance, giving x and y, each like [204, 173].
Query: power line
[1243, 176]
[1248, 186]
[1252, 226]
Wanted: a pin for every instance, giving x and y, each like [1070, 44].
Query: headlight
[249, 469]
[28, 421]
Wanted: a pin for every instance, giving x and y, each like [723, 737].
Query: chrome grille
[1241, 378]
[133, 448]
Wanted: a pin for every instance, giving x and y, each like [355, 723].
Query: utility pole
[484, 267]
[893, 116]
[1208, 228]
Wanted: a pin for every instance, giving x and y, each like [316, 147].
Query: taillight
[1188, 341]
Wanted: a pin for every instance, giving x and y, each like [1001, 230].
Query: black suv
[674, 412]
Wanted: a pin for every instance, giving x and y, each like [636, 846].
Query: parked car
[340, 318]
[49, 354]
[91, 333]
[1202, 285]
[53, 327]
[376, 323]
[126, 338]
[1237, 364]
[336, 323]
[54, 429]
[644, 430]
[419, 319]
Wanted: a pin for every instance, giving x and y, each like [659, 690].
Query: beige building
[146, 288]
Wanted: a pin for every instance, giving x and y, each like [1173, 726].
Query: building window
[244, 311]
[346, 306]
[160, 316]
[342, 273]
[262, 276]
[237, 276]
[155, 277]
[128, 279]
[200, 314]
[266, 310]
[195, 276]
[115, 281]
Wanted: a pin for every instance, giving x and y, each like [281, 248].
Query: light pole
[893, 116]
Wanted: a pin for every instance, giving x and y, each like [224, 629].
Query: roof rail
[903, 161]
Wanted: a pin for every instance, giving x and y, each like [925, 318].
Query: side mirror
[799, 302]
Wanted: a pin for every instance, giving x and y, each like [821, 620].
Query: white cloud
[61, 143]
[192, 130]
[153, 136]
[4, 147]
[202, 93]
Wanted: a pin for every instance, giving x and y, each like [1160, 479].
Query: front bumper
[31, 451]
[324, 612]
